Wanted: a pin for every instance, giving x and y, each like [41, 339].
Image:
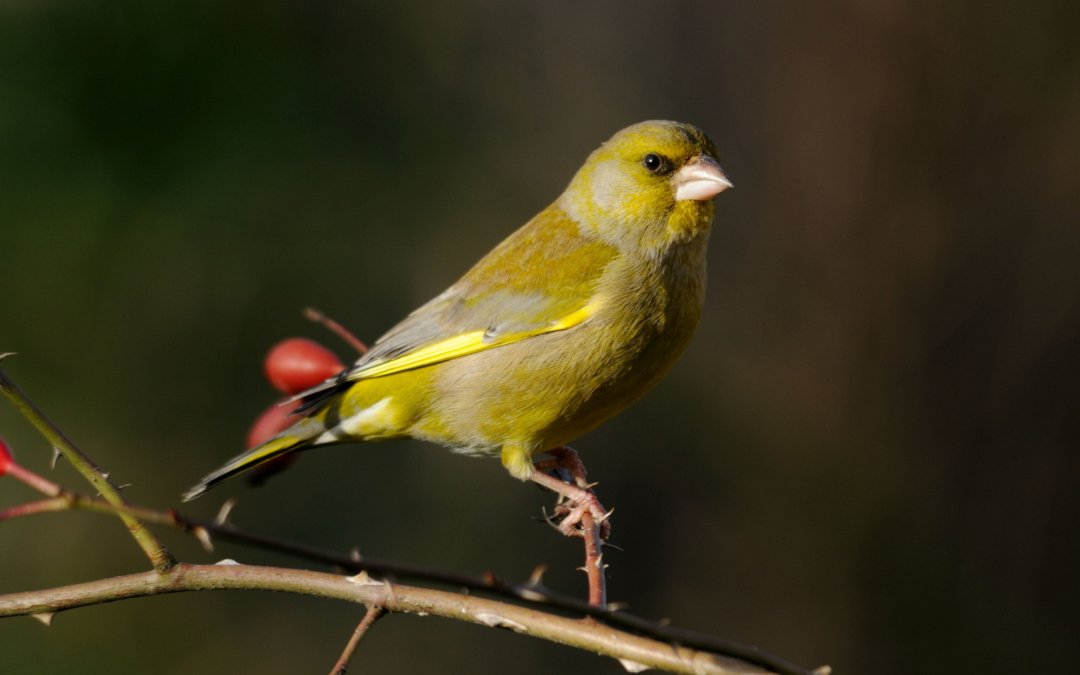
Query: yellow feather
[470, 343]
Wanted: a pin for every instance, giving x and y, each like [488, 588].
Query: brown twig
[632, 650]
[372, 615]
[44, 506]
[159, 556]
[594, 565]
[317, 316]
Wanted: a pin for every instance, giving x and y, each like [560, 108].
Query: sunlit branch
[634, 651]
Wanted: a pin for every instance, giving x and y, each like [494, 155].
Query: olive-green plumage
[558, 329]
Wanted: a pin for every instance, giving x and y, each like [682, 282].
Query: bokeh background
[867, 458]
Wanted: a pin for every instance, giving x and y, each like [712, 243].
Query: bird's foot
[576, 499]
[578, 514]
[569, 514]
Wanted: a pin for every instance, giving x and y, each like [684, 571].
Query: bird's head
[650, 185]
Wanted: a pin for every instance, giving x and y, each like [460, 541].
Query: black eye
[653, 162]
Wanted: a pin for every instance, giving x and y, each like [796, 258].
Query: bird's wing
[424, 341]
[541, 279]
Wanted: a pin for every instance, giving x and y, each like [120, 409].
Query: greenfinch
[558, 329]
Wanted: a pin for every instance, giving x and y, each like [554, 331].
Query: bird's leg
[583, 508]
[565, 458]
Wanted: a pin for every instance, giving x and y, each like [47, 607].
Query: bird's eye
[653, 162]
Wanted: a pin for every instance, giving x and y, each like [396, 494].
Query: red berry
[298, 364]
[6, 458]
[271, 423]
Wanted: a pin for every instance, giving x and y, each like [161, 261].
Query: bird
[559, 328]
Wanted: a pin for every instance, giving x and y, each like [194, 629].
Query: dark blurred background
[867, 458]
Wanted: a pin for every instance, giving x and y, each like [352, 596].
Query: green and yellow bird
[558, 329]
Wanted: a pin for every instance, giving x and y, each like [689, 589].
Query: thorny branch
[634, 651]
[159, 556]
[672, 649]
[532, 592]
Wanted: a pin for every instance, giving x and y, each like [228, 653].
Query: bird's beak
[699, 180]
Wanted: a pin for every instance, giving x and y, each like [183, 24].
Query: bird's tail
[288, 441]
[363, 414]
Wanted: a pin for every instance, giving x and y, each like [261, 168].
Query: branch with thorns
[604, 629]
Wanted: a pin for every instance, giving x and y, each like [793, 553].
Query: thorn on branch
[363, 579]
[527, 594]
[537, 576]
[633, 666]
[223, 513]
[45, 617]
[391, 596]
[204, 538]
[496, 621]
[534, 585]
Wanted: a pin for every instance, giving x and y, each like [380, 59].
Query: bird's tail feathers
[314, 399]
[275, 447]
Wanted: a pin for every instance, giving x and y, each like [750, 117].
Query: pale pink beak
[699, 180]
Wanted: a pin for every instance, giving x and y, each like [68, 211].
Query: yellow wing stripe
[574, 318]
[459, 345]
[469, 343]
